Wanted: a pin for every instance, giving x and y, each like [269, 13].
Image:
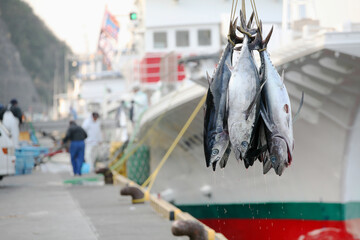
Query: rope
[261, 50]
[233, 11]
[151, 179]
[232, 16]
[253, 6]
[243, 9]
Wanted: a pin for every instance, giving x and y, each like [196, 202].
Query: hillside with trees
[41, 53]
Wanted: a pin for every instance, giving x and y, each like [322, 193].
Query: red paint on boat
[281, 229]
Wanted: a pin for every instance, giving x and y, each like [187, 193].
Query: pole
[66, 71]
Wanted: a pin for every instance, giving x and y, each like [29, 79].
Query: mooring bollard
[108, 176]
[137, 195]
[193, 229]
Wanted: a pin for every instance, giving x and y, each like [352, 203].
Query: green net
[138, 165]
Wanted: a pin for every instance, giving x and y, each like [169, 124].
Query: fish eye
[273, 159]
[244, 144]
[214, 152]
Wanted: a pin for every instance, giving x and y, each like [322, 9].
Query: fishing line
[243, 9]
[233, 11]
[232, 16]
[253, 6]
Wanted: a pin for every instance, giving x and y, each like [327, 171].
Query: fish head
[219, 148]
[280, 154]
[241, 149]
[240, 139]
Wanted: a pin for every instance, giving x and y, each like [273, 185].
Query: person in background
[92, 127]
[131, 111]
[121, 121]
[139, 104]
[11, 116]
[16, 110]
[73, 113]
[76, 135]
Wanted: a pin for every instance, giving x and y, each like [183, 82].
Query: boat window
[160, 40]
[182, 38]
[204, 37]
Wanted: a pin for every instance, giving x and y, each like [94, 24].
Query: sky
[78, 22]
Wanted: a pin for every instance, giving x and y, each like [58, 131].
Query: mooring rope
[151, 179]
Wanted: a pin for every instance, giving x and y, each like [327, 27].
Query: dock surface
[40, 206]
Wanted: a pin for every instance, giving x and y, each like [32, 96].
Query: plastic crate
[19, 166]
[24, 162]
[35, 151]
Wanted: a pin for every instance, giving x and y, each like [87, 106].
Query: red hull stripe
[287, 210]
[271, 229]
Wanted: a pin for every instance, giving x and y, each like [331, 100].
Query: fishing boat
[317, 197]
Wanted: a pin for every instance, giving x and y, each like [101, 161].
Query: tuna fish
[243, 95]
[276, 113]
[216, 138]
[217, 146]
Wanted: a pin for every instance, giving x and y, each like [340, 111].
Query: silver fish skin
[218, 88]
[217, 145]
[279, 124]
[209, 127]
[243, 86]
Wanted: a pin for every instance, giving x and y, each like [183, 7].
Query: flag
[108, 38]
[110, 25]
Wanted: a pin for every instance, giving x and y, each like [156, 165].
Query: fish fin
[252, 104]
[250, 20]
[265, 117]
[225, 157]
[283, 76]
[233, 37]
[207, 120]
[267, 39]
[246, 28]
[255, 44]
[231, 68]
[296, 116]
[209, 79]
[242, 28]
[227, 106]
[260, 150]
[214, 166]
[232, 32]
[266, 165]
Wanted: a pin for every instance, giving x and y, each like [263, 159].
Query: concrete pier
[40, 206]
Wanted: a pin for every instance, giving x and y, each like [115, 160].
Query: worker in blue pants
[76, 135]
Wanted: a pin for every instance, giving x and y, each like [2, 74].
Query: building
[176, 29]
